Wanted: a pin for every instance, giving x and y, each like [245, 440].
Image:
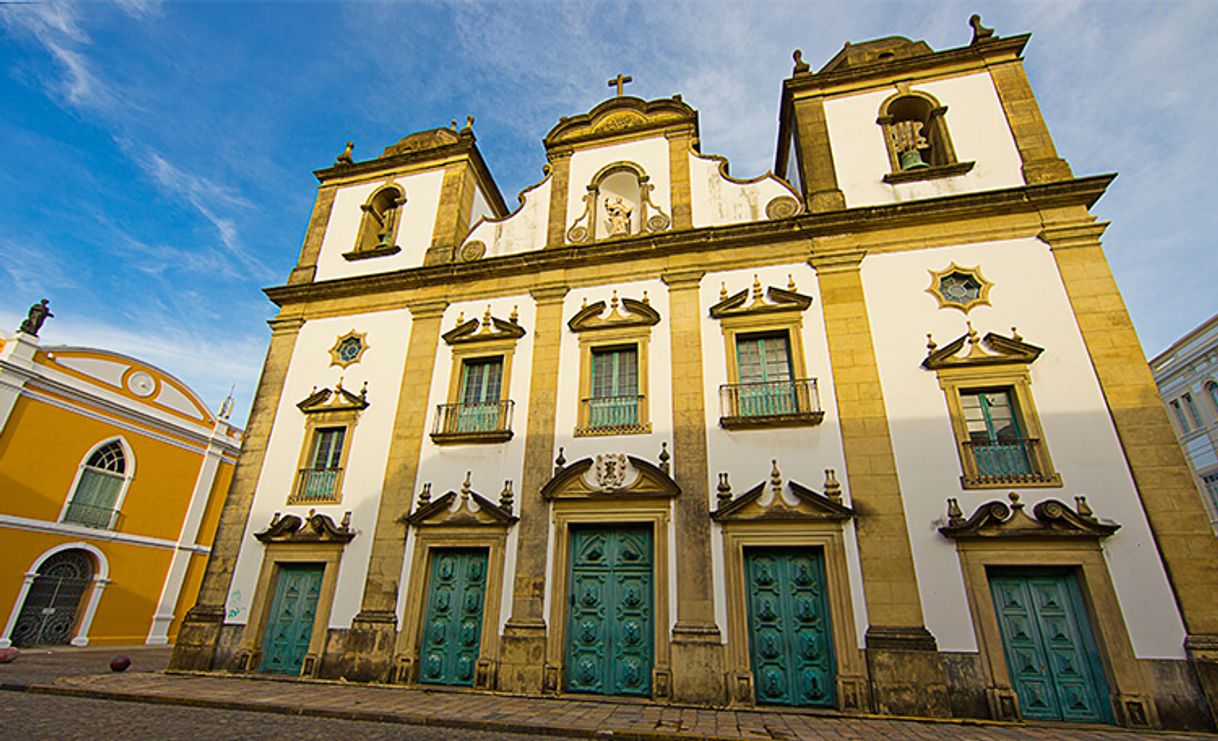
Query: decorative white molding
[79, 531]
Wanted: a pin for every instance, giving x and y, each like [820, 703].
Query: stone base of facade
[907, 673]
[195, 648]
[365, 653]
[697, 665]
[1203, 656]
[522, 660]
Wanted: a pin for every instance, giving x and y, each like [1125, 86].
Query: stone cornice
[867, 219]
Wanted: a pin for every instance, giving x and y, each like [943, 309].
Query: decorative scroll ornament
[770, 300]
[315, 528]
[993, 349]
[1050, 519]
[638, 314]
[609, 476]
[472, 250]
[809, 505]
[782, 207]
[337, 399]
[489, 328]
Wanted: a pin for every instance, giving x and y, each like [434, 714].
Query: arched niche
[915, 131]
[618, 204]
[378, 226]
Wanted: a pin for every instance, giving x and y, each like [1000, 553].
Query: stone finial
[664, 457]
[756, 288]
[514, 317]
[790, 282]
[453, 125]
[722, 290]
[1083, 509]
[275, 519]
[584, 305]
[775, 478]
[559, 463]
[346, 523]
[339, 387]
[723, 492]
[801, 67]
[1015, 503]
[980, 32]
[833, 487]
[469, 123]
[954, 515]
[646, 300]
[460, 318]
[930, 342]
[345, 158]
[363, 392]
[505, 496]
[425, 495]
[312, 512]
[486, 317]
[1015, 335]
[466, 488]
[613, 301]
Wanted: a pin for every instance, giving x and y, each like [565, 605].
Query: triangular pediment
[593, 316]
[489, 328]
[753, 506]
[482, 513]
[993, 349]
[1050, 518]
[610, 475]
[772, 300]
[337, 399]
[316, 528]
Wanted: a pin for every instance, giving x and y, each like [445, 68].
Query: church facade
[871, 432]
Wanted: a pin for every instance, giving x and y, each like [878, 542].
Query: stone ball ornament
[120, 663]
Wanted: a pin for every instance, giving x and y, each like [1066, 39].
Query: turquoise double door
[790, 634]
[610, 615]
[1050, 650]
[289, 625]
[452, 626]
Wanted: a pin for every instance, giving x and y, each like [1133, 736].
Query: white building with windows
[1187, 375]
[871, 432]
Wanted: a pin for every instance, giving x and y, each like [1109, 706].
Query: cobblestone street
[62, 694]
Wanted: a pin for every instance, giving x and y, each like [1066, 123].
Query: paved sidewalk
[43, 664]
[591, 718]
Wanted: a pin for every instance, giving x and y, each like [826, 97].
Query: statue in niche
[618, 216]
[38, 314]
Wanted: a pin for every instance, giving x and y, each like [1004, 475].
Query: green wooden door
[289, 625]
[610, 626]
[1050, 651]
[452, 629]
[790, 636]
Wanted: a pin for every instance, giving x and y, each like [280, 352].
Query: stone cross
[619, 81]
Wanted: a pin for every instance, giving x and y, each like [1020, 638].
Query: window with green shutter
[615, 387]
[763, 368]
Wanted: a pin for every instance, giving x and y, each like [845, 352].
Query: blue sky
[157, 158]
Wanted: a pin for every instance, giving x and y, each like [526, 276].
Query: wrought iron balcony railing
[482, 422]
[317, 485]
[793, 403]
[1006, 463]
[612, 415]
[102, 518]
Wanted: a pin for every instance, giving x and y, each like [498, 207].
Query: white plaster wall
[650, 154]
[481, 208]
[520, 231]
[975, 121]
[417, 220]
[388, 333]
[444, 466]
[1028, 293]
[803, 453]
[717, 200]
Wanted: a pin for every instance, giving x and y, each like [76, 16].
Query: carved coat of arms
[611, 470]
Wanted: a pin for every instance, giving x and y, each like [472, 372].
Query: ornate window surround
[999, 535]
[335, 359]
[128, 475]
[613, 331]
[936, 132]
[365, 245]
[936, 281]
[475, 339]
[1006, 369]
[652, 218]
[327, 409]
[782, 313]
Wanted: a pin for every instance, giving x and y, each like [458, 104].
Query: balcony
[482, 422]
[793, 403]
[1001, 463]
[612, 415]
[317, 486]
[102, 518]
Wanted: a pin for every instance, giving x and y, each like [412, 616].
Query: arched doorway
[53, 602]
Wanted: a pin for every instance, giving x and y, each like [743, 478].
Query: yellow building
[112, 475]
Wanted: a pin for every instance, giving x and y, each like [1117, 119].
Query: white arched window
[100, 486]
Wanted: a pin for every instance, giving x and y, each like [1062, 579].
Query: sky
[157, 157]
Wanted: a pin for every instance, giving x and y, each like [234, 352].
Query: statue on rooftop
[38, 314]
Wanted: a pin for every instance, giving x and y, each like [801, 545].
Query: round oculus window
[141, 383]
[349, 349]
[960, 288]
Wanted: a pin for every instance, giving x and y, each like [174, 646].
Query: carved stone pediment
[487, 329]
[993, 349]
[471, 510]
[1050, 519]
[337, 399]
[585, 479]
[618, 116]
[316, 528]
[638, 314]
[773, 299]
[809, 504]
[421, 141]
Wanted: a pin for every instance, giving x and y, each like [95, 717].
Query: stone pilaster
[523, 647]
[1165, 485]
[1040, 161]
[452, 216]
[560, 183]
[906, 671]
[368, 654]
[816, 156]
[306, 266]
[680, 144]
[200, 631]
[697, 648]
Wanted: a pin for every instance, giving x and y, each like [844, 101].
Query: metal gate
[49, 612]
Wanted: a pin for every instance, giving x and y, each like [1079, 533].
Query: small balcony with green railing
[613, 415]
[317, 486]
[786, 403]
[91, 515]
[1008, 462]
[478, 422]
